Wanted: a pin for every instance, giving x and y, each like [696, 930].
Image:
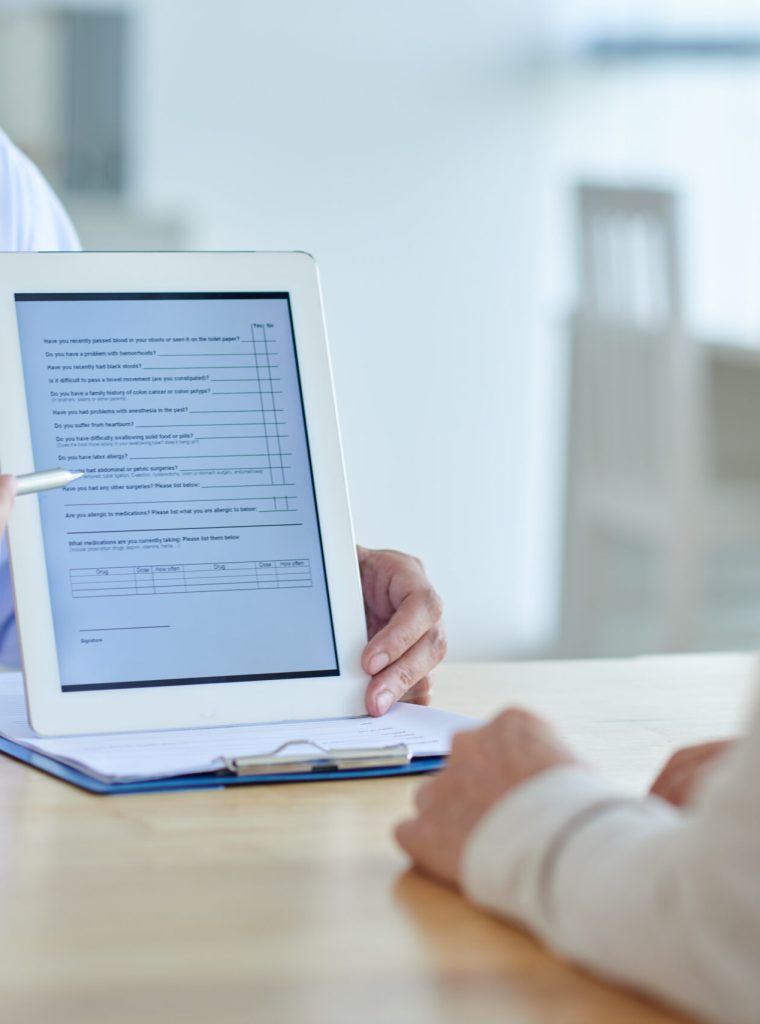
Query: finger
[7, 494]
[662, 784]
[658, 786]
[406, 836]
[676, 787]
[421, 693]
[676, 781]
[425, 795]
[664, 778]
[417, 613]
[423, 846]
[680, 785]
[685, 763]
[400, 677]
[414, 837]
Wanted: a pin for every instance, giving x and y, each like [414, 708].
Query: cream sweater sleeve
[632, 889]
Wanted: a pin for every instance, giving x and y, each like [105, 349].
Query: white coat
[31, 219]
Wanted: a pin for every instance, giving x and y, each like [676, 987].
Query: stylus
[30, 483]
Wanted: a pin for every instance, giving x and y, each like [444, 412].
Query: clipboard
[320, 765]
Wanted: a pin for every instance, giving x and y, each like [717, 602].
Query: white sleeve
[32, 218]
[632, 889]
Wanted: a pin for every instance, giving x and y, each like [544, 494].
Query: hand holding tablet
[407, 636]
[7, 495]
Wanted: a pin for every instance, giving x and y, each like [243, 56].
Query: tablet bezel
[53, 712]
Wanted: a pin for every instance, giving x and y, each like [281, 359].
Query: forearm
[627, 888]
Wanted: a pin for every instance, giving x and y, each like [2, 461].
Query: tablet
[203, 570]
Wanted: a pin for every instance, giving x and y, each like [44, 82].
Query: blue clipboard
[207, 780]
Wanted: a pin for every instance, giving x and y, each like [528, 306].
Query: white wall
[388, 140]
[422, 154]
[688, 127]
[425, 156]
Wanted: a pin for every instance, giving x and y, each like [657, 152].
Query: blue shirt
[31, 219]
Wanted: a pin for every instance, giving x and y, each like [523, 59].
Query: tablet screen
[190, 552]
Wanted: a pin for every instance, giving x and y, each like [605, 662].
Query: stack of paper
[132, 757]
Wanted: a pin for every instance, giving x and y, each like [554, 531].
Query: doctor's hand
[485, 764]
[407, 638]
[7, 494]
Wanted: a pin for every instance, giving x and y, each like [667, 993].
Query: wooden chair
[637, 444]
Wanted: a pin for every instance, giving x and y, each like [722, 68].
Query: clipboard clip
[319, 759]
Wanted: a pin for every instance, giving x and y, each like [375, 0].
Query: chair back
[633, 367]
[628, 258]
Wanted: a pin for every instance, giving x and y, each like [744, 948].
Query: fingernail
[383, 701]
[378, 663]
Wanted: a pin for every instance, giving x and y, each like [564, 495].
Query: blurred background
[538, 231]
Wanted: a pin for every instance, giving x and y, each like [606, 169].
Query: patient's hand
[7, 494]
[407, 636]
[485, 764]
[684, 771]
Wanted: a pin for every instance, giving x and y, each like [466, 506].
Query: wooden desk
[291, 903]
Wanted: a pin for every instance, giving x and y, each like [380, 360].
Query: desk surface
[291, 903]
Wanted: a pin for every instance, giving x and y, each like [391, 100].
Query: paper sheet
[131, 757]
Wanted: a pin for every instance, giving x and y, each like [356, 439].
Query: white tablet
[203, 571]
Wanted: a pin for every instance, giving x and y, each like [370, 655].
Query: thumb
[7, 494]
